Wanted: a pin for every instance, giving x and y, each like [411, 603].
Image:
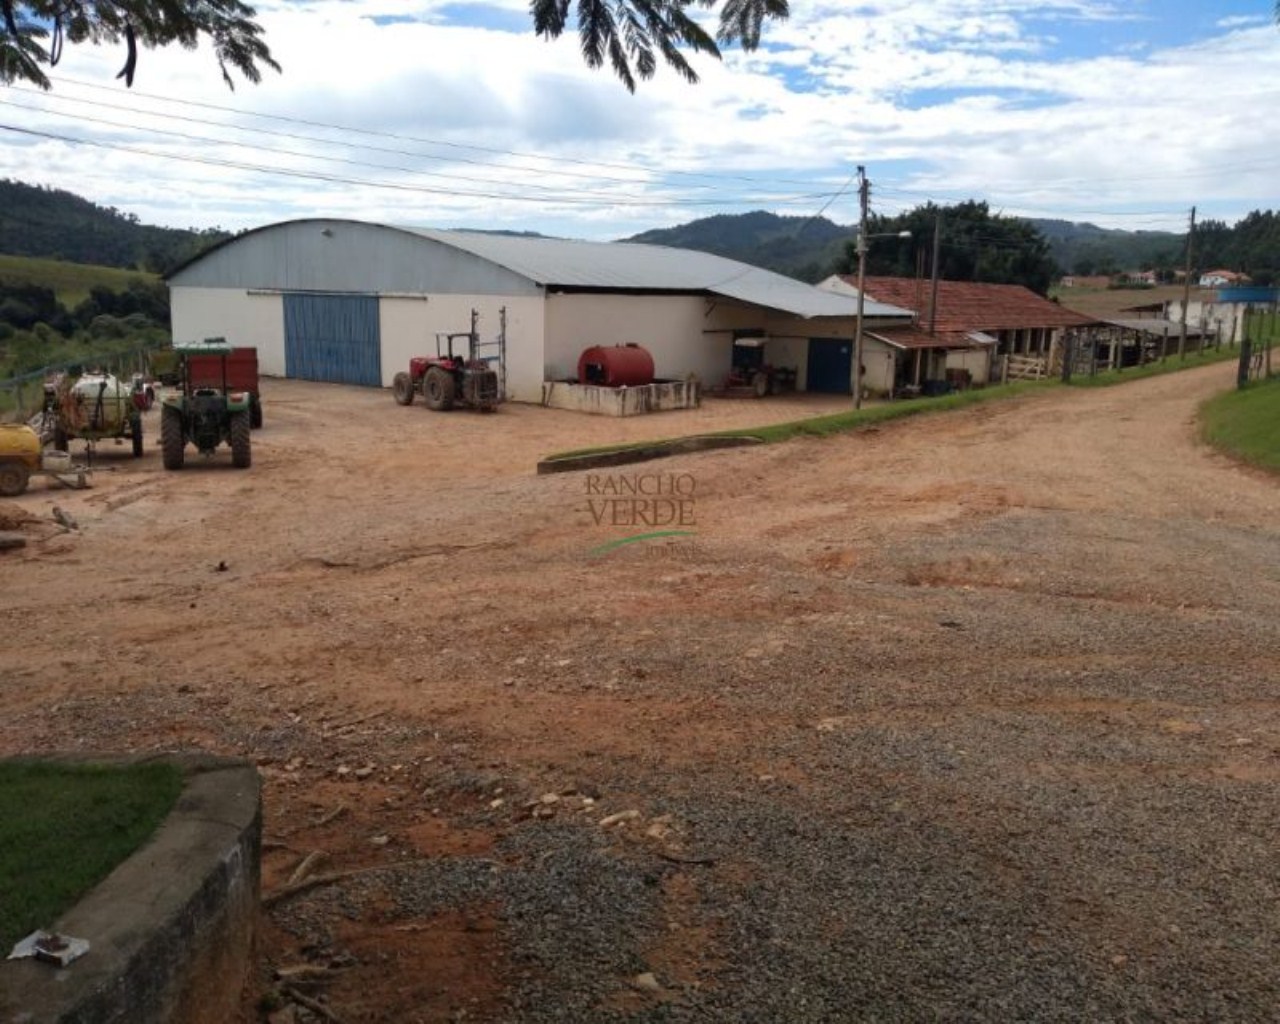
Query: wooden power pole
[864, 194]
[1186, 288]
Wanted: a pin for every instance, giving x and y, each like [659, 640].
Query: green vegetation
[52, 224]
[1173, 364]
[54, 313]
[857, 419]
[65, 827]
[841, 422]
[71, 283]
[1246, 423]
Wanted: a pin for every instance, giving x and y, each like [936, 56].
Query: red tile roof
[965, 306]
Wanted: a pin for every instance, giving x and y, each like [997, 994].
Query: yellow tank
[19, 457]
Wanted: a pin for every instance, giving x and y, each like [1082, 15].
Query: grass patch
[1246, 423]
[70, 281]
[63, 828]
[838, 423]
[1173, 364]
[856, 419]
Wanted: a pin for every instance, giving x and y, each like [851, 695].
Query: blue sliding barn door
[333, 338]
[830, 366]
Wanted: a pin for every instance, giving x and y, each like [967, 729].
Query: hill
[71, 283]
[803, 247]
[52, 224]
[810, 248]
[1088, 249]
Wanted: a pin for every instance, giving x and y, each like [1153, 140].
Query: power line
[169, 133]
[443, 143]
[425, 189]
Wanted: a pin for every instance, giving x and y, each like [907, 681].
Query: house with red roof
[969, 334]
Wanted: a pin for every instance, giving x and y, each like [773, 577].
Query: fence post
[1242, 370]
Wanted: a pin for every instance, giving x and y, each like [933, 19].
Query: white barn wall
[670, 326]
[881, 362]
[408, 327]
[976, 360]
[244, 319]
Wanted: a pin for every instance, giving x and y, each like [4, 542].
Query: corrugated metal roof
[914, 337]
[569, 263]
[1156, 326]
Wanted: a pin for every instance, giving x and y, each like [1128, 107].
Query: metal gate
[830, 366]
[333, 338]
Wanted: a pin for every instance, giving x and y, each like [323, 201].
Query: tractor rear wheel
[135, 435]
[255, 412]
[438, 389]
[172, 442]
[241, 453]
[402, 388]
[13, 478]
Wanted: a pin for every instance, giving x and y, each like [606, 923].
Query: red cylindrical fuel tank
[617, 366]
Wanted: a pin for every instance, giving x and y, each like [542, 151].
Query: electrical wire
[569, 200]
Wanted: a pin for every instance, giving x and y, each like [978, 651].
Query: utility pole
[864, 195]
[937, 249]
[1186, 289]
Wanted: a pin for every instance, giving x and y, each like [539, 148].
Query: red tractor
[445, 380]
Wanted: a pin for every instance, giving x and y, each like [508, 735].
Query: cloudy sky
[452, 113]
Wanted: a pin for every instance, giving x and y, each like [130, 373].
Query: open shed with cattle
[351, 302]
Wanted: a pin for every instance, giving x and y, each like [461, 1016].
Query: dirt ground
[972, 716]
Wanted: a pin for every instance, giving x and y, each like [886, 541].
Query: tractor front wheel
[438, 389]
[172, 442]
[241, 454]
[135, 434]
[13, 478]
[402, 389]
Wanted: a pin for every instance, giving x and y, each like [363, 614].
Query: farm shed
[350, 302]
[1026, 328]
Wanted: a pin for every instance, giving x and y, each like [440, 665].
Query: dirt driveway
[969, 717]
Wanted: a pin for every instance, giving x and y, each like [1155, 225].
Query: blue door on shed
[830, 366]
[333, 338]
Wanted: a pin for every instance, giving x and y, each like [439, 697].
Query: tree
[976, 245]
[629, 32]
[32, 33]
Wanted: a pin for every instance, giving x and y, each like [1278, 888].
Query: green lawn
[822, 426]
[854, 419]
[1246, 423]
[70, 281]
[1172, 364]
[63, 828]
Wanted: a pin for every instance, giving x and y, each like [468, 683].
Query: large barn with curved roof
[350, 302]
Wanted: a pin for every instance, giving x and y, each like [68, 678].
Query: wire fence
[22, 396]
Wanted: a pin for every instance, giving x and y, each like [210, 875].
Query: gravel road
[970, 717]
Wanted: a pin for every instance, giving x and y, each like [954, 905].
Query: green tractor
[205, 416]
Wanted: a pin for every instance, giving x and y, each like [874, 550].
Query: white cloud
[941, 99]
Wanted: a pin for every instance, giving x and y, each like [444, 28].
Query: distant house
[1222, 279]
[1085, 281]
[972, 333]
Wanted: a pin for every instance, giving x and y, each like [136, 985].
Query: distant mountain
[803, 247]
[52, 224]
[1085, 248]
[809, 248]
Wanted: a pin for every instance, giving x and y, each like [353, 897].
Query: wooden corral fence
[1025, 368]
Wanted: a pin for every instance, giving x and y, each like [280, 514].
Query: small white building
[350, 302]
